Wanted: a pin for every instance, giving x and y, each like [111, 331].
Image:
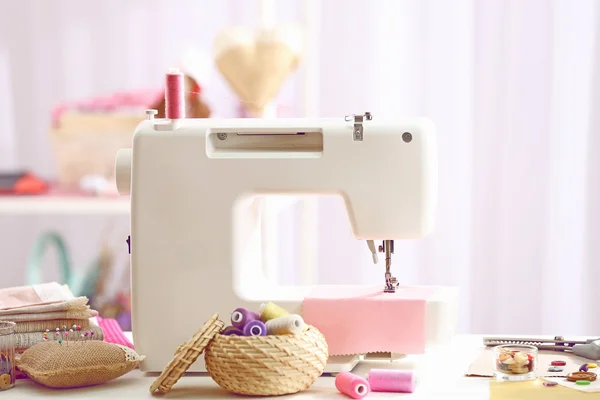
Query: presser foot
[391, 283]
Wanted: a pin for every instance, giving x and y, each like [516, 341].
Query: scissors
[589, 348]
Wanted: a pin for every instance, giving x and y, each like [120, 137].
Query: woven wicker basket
[267, 365]
[87, 144]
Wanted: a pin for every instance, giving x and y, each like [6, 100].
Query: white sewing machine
[194, 219]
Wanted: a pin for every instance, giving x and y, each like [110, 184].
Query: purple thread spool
[232, 331]
[255, 328]
[241, 316]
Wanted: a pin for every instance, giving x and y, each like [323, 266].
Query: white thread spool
[290, 324]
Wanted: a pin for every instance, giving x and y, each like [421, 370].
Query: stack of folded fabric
[37, 309]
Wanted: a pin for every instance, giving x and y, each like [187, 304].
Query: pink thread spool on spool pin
[352, 385]
[174, 95]
[388, 380]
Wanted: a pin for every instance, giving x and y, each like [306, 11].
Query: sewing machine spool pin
[150, 114]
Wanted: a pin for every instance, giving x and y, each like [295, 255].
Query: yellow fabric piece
[535, 390]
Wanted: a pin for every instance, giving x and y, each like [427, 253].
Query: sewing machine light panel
[263, 143]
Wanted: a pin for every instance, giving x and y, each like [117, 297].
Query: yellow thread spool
[271, 311]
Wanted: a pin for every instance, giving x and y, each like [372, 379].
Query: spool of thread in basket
[352, 385]
[387, 380]
[232, 331]
[242, 316]
[286, 325]
[255, 328]
[271, 311]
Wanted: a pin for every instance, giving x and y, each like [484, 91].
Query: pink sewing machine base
[363, 319]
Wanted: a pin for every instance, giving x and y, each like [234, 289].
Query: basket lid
[186, 355]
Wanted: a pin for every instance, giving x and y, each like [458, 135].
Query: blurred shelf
[64, 204]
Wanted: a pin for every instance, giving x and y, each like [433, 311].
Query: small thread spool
[271, 311]
[174, 95]
[232, 331]
[241, 316]
[352, 385]
[289, 324]
[255, 328]
[388, 380]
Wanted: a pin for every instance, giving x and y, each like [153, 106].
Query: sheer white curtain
[511, 84]
[512, 87]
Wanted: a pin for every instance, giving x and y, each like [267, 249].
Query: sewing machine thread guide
[357, 133]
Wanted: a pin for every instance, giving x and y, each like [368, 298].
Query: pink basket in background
[87, 135]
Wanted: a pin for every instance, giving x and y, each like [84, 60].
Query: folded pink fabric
[34, 295]
[363, 319]
[113, 332]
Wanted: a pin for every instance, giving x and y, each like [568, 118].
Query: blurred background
[512, 86]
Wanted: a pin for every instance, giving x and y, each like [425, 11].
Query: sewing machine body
[195, 247]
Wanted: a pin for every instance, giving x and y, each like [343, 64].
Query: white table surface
[442, 379]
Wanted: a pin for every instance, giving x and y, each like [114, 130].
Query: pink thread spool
[174, 95]
[352, 385]
[389, 380]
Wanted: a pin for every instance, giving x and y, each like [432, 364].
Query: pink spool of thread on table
[174, 95]
[352, 385]
[389, 380]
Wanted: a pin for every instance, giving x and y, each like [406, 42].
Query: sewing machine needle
[388, 256]
[390, 281]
